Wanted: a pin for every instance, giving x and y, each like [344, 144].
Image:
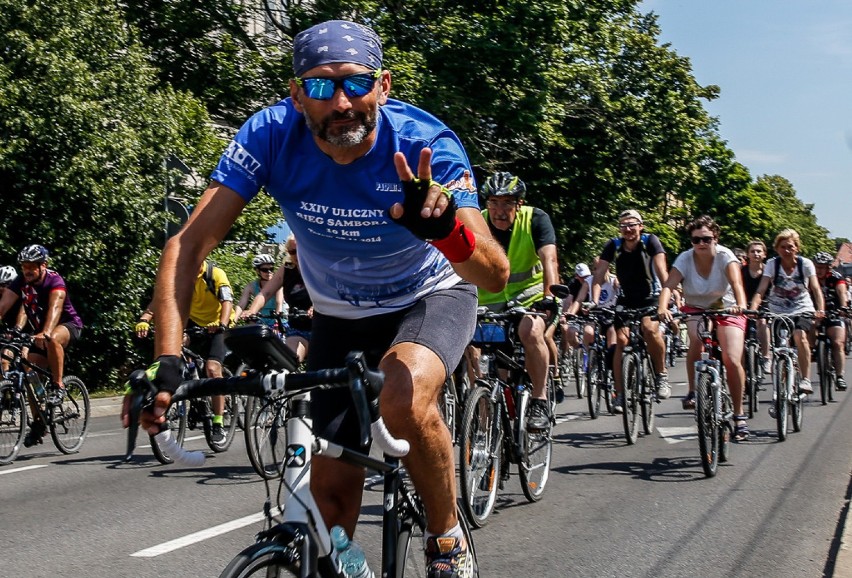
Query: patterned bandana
[336, 41]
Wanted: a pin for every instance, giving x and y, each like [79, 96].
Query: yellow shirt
[206, 307]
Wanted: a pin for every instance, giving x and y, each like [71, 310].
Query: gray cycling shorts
[443, 322]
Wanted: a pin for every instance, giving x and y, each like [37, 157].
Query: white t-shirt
[608, 295]
[713, 292]
[791, 295]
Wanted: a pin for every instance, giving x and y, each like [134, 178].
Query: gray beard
[348, 137]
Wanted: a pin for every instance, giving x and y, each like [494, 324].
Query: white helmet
[262, 259]
[7, 275]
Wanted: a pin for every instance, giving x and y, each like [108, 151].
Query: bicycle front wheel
[265, 560]
[797, 401]
[536, 453]
[594, 384]
[479, 456]
[630, 378]
[781, 378]
[648, 396]
[266, 435]
[176, 419]
[13, 422]
[706, 413]
[578, 370]
[69, 422]
[752, 371]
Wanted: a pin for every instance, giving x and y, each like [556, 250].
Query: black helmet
[504, 184]
[823, 258]
[32, 254]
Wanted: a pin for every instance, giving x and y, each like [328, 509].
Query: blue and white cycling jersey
[355, 261]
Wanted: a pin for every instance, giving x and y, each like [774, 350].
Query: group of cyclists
[394, 257]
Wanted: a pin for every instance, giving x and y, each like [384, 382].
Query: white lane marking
[675, 435]
[189, 439]
[104, 434]
[190, 539]
[23, 469]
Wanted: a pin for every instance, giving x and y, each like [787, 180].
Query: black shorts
[210, 346]
[443, 322]
[618, 321]
[73, 330]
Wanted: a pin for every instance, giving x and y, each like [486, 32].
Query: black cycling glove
[166, 373]
[430, 228]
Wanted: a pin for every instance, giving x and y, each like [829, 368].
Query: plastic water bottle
[353, 563]
[35, 381]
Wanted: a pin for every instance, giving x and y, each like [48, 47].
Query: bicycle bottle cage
[259, 347]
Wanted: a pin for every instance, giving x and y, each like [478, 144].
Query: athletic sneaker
[805, 386]
[539, 417]
[217, 435]
[446, 557]
[35, 435]
[664, 390]
[840, 385]
[55, 395]
[618, 403]
[689, 401]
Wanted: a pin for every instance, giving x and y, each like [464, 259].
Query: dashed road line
[196, 537]
[23, 469]
[675, 435]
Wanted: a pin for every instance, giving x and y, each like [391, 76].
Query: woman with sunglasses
[711, 280]
[264, 266]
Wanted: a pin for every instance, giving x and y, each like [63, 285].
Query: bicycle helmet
[823, 258]
[32, 254]
[262, 259]
[7, 275]
[504, 184]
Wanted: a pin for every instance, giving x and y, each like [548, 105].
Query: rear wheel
[266, 435]
[752, 370]
[797, 401]
[594, 384]
[69, 422]
[13, 422]
[536, 453]
[176, 420]
[578, 371]
[480, 452]
[708, 432]
[447, 405]
[822, 360]
[630, 378]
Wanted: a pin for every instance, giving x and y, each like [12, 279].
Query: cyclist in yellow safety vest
[528, 237]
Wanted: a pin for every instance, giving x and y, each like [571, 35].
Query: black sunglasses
[705, 240]
[265, 269]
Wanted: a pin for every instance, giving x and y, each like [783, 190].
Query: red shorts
[722, 320]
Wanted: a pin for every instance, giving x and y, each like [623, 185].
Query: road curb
[105, 406]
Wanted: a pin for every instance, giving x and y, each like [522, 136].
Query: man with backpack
[640, 266]
[212, 308]
[796, 292]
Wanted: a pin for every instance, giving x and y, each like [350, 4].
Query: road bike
[296, 540]
[713, 403]
[183, 416]
[23, 402]
[637, 376]
[753, 366]
[495, 432]
[787, 401]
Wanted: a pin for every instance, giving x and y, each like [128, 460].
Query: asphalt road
[776, 509]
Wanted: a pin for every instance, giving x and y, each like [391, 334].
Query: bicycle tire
[648, 396]
[708, 437]
[266, 435]
[577, 371]
[176, 418]
[608, 390]
[822, 369]
[725, 428]
[409, 548]
[13, 422]
[480, 453]
[448, 406]
[593, 384]
[536, 453]
[630, 379]
[780, 376]
[752, 378]
[797, 401]
[69, 422]
[265, 560]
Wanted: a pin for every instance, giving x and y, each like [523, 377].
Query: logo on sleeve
[241, 157]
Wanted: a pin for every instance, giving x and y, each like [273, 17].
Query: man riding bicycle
[388, 258]
[528, 237]
[211, 308]
[640, 266]
[55, 324]
[834, 293]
